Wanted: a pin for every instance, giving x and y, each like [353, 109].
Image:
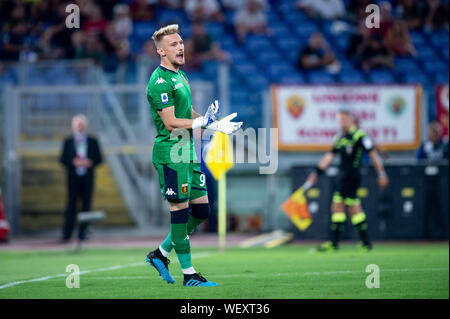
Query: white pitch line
[15, 283]
[343, 272]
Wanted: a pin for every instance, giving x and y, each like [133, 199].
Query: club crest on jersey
[349, 149]
[184, 188]
[164, 98]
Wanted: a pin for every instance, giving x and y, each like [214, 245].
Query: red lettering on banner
[346, 98]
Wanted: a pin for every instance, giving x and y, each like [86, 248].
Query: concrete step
[44, 194]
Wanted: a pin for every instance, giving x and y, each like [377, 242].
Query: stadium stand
[270, 58]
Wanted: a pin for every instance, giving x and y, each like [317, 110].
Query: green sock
[192, 223]
[182, 246]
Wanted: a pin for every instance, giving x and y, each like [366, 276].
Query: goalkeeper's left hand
[225, 125]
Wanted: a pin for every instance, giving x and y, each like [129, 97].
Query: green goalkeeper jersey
[167, 88]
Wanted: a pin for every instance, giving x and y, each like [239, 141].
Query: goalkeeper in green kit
[182, 182]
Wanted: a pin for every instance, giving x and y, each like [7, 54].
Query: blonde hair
[167, 30]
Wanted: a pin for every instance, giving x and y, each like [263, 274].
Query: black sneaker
[197, 280]
[161, 264]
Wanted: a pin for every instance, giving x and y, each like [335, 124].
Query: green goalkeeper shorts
[181, 181]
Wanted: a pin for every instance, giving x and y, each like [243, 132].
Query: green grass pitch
[292, 271]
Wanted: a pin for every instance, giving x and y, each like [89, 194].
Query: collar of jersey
[166, 69]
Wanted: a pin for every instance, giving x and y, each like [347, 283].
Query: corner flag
[296, 208]
[219, 159]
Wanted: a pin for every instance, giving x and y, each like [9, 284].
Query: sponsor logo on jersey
[178, 85]
[184, 188]
[164, 98]
[160, 81]
[295, 105]
[173, 79]
[170, 192]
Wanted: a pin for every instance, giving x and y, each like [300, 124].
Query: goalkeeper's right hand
[225, 125]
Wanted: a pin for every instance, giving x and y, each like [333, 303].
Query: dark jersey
[351, 146]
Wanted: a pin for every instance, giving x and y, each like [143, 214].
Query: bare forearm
[326, 161]
[377, 163]
[178, 123]
[195, 114]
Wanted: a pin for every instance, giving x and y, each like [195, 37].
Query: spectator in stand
[94, 49]
[251, 18]
[142, 10]
[203, 9]
[14, 41]
[356, 10]
[239, 4]
[376, 55]
[398, 40]
[386, 20]
[317, 55]
[201, 47]
[149, 55]
[107, 8]
[435, 15]
[409, 11]
[172, 4]
[436, 147]
[55, 42]
[78, 49]
[95, 22]
[358, 41]
[325, 9]
[122, 25]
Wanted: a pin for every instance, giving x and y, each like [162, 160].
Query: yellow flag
[296, 208]
[219, 158]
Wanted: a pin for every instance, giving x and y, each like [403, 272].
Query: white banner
[306, 115]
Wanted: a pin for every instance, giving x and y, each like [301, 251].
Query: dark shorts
[346, 191]
[181, 181]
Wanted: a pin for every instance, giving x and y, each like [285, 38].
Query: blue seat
[210, 69]
[268, 57]
[238, 55]
[277, 70]
[434, 66]
[426, 53]
[239, 96]
[295, 78]
[258, 82]
[415, 77]
[178, 16]
[417, 39]
[341, 42]
[143, 30]
[305, 29]
[215, 29]
[320, 77]
[440, 40]
[227, 42]
[441, 78]
[288, 44]
[351, 77]
[257, 44]
[381, 76]
[246, 68]
[405, 64]
[279, 30]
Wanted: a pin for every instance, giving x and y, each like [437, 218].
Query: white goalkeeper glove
[211, 115]
[225, 125]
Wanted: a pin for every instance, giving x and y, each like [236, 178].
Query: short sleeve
[367, 143]
[160, 94]
[335, 148]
